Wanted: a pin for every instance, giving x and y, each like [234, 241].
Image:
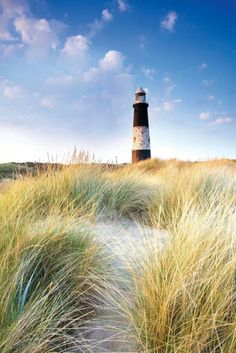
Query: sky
[69, 70]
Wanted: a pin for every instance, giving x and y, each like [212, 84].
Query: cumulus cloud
[112, 62]
[122, 5]
[169, 105]
[20, 30]
[221, 121]
[149, 73]
[169, 21]
[13, 92]
[203, 66]
[9, 10]
[39, 35]
[204, 115]
[97, 25]
[76, 47]
[106, 88]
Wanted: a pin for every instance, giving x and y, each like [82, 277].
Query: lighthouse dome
[140, 95]
[140, 90]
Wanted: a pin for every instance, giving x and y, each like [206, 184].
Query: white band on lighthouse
[141, 138]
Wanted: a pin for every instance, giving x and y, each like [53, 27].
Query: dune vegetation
[55, 275]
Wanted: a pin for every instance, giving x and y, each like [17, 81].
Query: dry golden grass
[184, 295]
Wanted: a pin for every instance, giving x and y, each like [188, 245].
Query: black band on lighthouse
[140, 155]
[140, 114]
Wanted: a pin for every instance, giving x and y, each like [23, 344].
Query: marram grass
[185, 293]
[85, 190]
[48, 274]
[53, 275]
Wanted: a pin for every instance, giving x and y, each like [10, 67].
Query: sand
[123, 241]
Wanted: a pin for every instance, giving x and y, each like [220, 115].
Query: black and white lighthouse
[141, 139]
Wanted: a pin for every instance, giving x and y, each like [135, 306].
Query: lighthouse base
[140, 155]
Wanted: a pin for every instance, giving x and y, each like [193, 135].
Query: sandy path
[123, 241]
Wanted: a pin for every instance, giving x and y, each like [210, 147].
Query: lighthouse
[141, 139]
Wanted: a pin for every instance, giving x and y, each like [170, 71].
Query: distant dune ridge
[14, 169]
[123, 258]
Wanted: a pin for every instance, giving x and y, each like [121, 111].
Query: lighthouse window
[142, 99]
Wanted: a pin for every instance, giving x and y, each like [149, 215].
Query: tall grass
[88, 190]
[200, 186]
[48, 272]
[49, 267]
[185, 293]
[53, 274]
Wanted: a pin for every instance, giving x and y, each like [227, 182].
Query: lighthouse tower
[141, 139]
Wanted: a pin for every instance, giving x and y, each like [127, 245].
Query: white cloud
[169, 21]
[9, 10]
[97, 25]
[221, 121]
[61, 80]
[18, 26]
[76, 47]
[48, 102]
[207, 83]
[13, 7]
[149, 73]
[157, 109]
[109, 69]
[168, 85]
[204, 115]
[13, 92]
[39, 35]
[112, 61]
[210, 98]
[91, 74]
[122, 5]
[142, 42]
[10, 48]
[106, 15]
[203, 66]
[169, 105]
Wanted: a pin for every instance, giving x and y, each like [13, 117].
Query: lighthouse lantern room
[140, 96]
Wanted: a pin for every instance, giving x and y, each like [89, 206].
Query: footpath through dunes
[124, 242]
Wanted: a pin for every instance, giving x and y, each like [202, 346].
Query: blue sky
[69, 69]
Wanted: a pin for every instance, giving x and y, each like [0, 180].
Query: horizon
[67, 159]
[69, 72]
